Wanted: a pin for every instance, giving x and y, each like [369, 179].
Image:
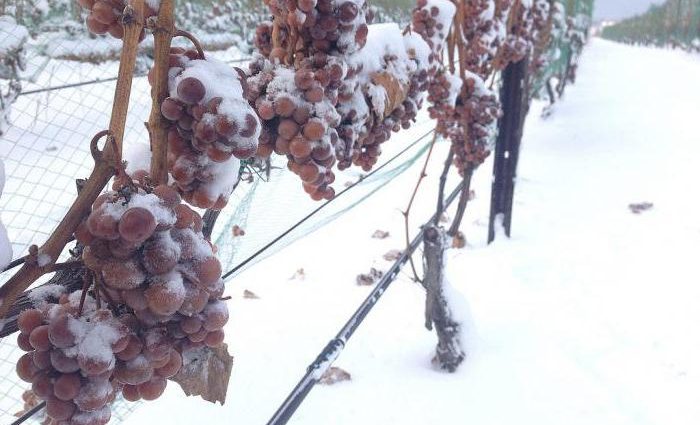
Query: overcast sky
[617, 9]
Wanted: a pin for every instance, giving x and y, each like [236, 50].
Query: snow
[13, 35]
[43, 293]
[586, 316]
[5, 246]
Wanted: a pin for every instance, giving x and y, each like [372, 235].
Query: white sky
[616, 9]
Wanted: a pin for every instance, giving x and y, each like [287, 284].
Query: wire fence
[674, 23]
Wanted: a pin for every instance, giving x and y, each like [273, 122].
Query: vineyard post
[510, 132]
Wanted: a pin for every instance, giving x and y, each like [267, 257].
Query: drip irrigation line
[29, 413]
[335, 346]
[319, 208]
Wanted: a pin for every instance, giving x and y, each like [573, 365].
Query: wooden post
[510, 131]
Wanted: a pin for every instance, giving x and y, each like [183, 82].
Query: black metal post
[510, 131]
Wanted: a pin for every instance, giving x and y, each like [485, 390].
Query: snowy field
[586, 316]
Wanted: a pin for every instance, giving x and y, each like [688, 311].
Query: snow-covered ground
[586, 316]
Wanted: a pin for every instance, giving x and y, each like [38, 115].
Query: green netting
[571, 20]
[674, 23]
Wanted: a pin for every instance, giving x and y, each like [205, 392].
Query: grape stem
[102, 172]
[193, 39]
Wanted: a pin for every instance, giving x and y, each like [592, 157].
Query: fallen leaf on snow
[392, 255]
[640, 207]
[250, 295]
[237, 231]
[459, 240]
[380, 234]
[366, 279]
[334, 375]
[298, 275]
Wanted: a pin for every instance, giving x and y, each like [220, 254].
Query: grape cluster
[382, 93]
[105, 16]
[433, 23]
[71, 359]
[146, 255]
[212, 127]
[301, 28]
[330, 89]
[465, 109]
[297, 108]
[149, 249]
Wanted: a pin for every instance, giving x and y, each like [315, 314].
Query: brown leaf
[334, 375]
[366, 279]
[392, 255]
[206, 372]
[380, 234]
[459, 240]
[300, 274]
[237, 231]
[250, 295]
[640, 207]
[395, 91]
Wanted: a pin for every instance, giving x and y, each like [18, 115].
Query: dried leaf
[206, 372]
[640, 207]
[237, 231]
[250, 295]
[366, 279]
[380, 234]
[300, 274]
[459, 240]
[334, 375]
[392, 255]
[395, 91]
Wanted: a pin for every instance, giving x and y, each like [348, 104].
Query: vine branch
[410, 204]
[157, 127]
[102, 172]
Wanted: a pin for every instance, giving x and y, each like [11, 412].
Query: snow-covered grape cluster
[156, 295]
[299, 117]
[106, 16]
[301, 28]
[71, 359]
[330, 88]
[465, 109]
[212, 127]
[528, 20]
[382, 94]
[149, 249]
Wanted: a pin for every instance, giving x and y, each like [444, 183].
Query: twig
[193, 39]
[157, 126]
[410, 204]
[87, 282]
[443, 180]
[15, 263]
[100, 175]
[462, 203]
